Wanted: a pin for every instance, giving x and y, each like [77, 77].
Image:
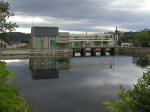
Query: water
[73, 84]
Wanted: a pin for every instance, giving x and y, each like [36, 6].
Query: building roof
[64, 34]
[44, 31]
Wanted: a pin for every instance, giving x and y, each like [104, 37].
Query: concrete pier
[103, 51]
[112, 51]
[93, 52]
[83, 52]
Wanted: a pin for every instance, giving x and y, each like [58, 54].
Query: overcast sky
[82, 15]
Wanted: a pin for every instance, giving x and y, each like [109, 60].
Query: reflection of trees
[141, 61]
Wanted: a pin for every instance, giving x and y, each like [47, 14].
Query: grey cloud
[97, 12]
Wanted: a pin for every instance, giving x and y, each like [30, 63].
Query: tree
[10, 101]
[142, 39]
[5, 14]
[127, 37]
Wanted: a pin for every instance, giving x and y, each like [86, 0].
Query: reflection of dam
[46, 67]
[91, 63]
[41, 74]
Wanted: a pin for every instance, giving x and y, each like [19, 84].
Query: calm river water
[77, 84]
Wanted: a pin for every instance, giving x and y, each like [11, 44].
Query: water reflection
[82, 83]
[142, 62]
[90, 63]
[47, 68]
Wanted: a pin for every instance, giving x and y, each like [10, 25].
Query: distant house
[18, 45]
[127, 45]
[47, 38]
[145, 30]
[15, 44]
[3, 44]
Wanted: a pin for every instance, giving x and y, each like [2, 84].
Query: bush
[10, 101]
[148, 56]
[136, 100]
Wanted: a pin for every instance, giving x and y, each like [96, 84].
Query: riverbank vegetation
[139, 39]
[135, 100]
[10, 101]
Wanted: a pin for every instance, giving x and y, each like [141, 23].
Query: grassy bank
[10, 101]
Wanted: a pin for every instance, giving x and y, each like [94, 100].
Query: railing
[94, 46]
[13, 49]
[52, 52]
[51, 49]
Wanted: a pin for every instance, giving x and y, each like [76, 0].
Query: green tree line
[139, 39]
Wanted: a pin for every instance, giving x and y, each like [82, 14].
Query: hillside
[17, 36]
